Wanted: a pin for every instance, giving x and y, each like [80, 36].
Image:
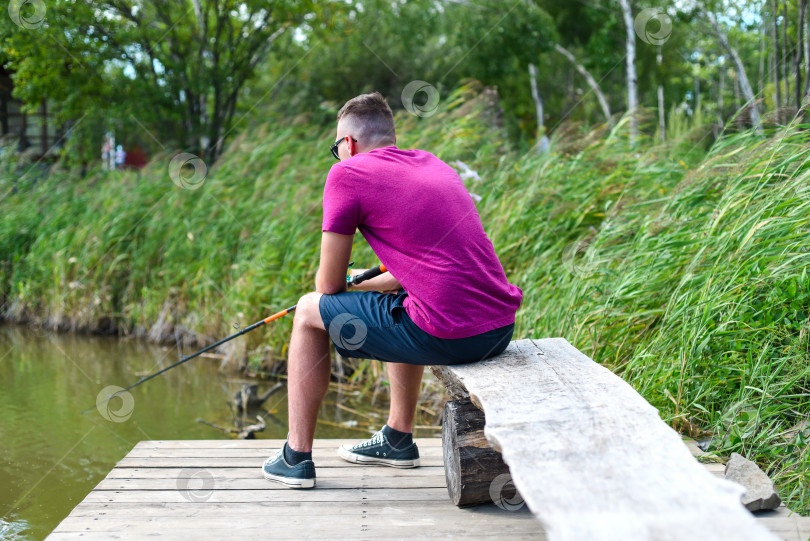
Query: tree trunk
[542, 138]
[777, 82]
[745, 86]
[662, 126]
[198, 12]
[591, 81]
[737, 103]
[720, 103]
[470, 464]
[785, 59]
[800, 52]
[763, 55]
[806, 23]
[632, 79]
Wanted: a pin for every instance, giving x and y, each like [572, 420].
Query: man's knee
[308, 311]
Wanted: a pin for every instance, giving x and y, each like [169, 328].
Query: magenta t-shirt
[417, 216]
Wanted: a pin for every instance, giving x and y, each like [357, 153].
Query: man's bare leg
[308, 370]
[405, 382]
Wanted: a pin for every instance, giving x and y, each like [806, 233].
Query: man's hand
[384, 283]
[336, 250]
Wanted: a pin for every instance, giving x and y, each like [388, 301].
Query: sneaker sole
[289, 481]
[362, 459]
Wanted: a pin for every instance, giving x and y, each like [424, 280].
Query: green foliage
[188, 75]
[494, 42]
[170, 71]
[377, 45]
[383, 45]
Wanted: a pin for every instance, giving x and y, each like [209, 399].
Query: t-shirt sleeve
[340, 205]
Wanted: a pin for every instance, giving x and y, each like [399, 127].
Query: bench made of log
[591, 458]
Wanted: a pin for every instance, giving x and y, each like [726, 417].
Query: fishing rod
[350, 282]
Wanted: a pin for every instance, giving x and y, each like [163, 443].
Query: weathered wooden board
[257, 482]
[271, 508]
[258, 453]
[590, 456]
[336, 524]
[328, 445]
[321, 462]
[357, 494]
[231, 502]
[350, 470]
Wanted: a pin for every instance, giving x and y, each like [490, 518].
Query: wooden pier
[213, 489]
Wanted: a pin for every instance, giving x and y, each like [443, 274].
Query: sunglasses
[334, 147]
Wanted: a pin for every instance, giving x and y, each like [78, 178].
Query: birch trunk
[745, 86]
[737, 100]
[800, 52]
[720, 100]
[590, 80]
[776, 80]
[806, 52]
[662, 127]
[542, 139]
[763, 55]
[785, 59]
[632, 79]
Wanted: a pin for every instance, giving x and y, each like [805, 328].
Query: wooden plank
[356, 495]
[268, 531]
[351, 471]
[337, 527]
[590, 456]
[257, 453]
[325, 444]
[286, 508]
[257, 482]
[798, 527]
[235, 462]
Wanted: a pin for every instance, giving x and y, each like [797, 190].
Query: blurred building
[35, 133]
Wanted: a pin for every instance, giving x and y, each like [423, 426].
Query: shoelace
[375, 439]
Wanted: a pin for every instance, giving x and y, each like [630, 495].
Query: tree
[174, 68]
[632, 78]
[589, 78]
[745, 86]
[496, 43]
[369, 45]
[801, 52]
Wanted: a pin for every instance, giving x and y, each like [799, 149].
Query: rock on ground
[760, 492]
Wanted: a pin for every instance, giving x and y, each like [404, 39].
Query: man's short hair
[371, 120]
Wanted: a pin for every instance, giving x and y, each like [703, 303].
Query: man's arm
[336, 250]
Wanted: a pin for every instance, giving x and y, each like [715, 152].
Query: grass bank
[681, 266]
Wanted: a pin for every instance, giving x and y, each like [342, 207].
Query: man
[444, 300]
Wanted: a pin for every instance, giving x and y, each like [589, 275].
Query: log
[470, 464]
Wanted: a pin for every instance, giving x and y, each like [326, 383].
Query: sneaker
[377, 450]
[302, 475]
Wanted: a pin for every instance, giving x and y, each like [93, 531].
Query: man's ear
[350, 146]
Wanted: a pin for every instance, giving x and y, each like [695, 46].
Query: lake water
[51, 455]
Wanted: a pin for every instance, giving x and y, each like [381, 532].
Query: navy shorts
[372, 325]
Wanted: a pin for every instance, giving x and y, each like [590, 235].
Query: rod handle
[369, 274]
